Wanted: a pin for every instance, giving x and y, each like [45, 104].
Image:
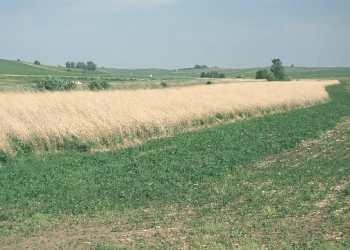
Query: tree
[36, 62]
[277, 70]
[197, 66]
[91, 66]
[81, 65]
[72, 65]
[68, 65]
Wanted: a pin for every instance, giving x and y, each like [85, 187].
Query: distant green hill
[10, 67]
[321, 72]
[22, 68]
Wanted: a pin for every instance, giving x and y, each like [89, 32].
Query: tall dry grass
[91, 115]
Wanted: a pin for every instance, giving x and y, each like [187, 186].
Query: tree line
[212, 74]
[90, 65]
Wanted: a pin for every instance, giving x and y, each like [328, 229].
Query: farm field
[20, 76]
[280, 181]
[108, 118]
[174, 125]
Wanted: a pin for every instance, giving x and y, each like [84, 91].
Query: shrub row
[212, 74]
[53, 83]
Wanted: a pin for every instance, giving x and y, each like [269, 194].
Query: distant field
[111, 116]
[21, 76]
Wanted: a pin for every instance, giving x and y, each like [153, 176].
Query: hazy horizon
[177, 33]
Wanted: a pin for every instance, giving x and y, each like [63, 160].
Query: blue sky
[177, 33]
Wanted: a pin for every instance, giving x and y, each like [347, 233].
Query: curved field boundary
[108, 117]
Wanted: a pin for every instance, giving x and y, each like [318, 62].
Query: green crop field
[279, 182]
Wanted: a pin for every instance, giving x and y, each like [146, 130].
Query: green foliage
[99, 85]
[36, 62]
[264, 74]
[278, 71]
[197, 66]
[170, 170]
[4, 157]
[81, 65]
[209, 82]
[91, 66]
[212, 74]
[53, 83]
[163, 84]
[70, 65]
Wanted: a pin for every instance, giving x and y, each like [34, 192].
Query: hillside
[21, 68]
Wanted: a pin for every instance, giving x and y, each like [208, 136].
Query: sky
[177, 33]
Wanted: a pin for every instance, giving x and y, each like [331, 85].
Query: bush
[209, 82]
[264, 74]
[53, 83]
[36, 62]
[163, 84]
[4, 157]
[99, 85]
[276, 73]
[213, 74]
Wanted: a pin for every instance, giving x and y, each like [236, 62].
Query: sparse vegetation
[54, 84]
[99, 85]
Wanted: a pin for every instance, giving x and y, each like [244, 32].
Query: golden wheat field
[88, 115]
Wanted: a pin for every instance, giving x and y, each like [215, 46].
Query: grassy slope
[187, 171]
[8, 67]
[22, 76]
[20, 68]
